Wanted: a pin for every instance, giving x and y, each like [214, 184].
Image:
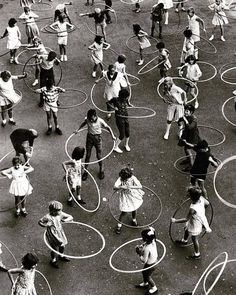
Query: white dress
[193, 72]
[13, 41]
[74, 174]
[20, 185]
[120, 67]
[194, 26]
[167, 3]
[97, 53]
[130, 199]
[62, 33]
[7, 92]
[219, 17]
[113, 87]
[24, 284]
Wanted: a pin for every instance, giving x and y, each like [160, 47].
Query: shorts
[94, 140]
[147, 273]
[175, 112]
[50, 107]
[62, 40]
[20, 149]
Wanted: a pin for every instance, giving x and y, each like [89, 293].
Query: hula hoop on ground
[179, 78]
[141, 72]
[43, 276]
[210, 43]
[226, 71]
[91, 96]
[176, 211]
[32, 64]
[78, 257]
[228, 204]
[46, 29]
[136, 51]
[3, 177]
[225, 65]
[139, 117]
[137, 270]
[13, 105]
[93, 162]
[9, 251]
[182, 1]
[132, 76]
[48, 6]
[139, 226]
[223, 111]
[72, 195]
[217, 130]
[131, 2]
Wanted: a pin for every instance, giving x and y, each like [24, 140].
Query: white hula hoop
[91, 96]
[208, 79]
[43, 276]
[131, 2]
[9, 251]
[217, 130]
[223, 111]
[2, 177]
[226, 71]
[141, 72]
[132, 76]
[228, 204]
[78, 257]
[93, 162]
[137, 270]
[140, 117]
[72, 195]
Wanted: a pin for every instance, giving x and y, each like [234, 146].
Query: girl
[54, 231]
[24, 284]
[31, 27]
[97, 53]
[61, 26]
[137, 8]
[130, 197]
[142, 40]
[61, 9]
[120, 67]
[188, 46]
[181, 3]
[164, 62]
[148, 255]
[193, 74]
[219, 18]
[20, 186]
[26, 3]
[13, 34]
[8, 96]
[157, 14]
[167, 5]
[195, 221]
[73, 168]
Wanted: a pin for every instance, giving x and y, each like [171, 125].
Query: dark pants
[94, 141]
[123, 127]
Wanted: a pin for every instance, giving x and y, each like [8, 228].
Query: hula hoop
[188, 173]
[223, 111]
[93, 162]
[210, 43]
[139, 117]
[206, 270]
[139, 226]
[91, 96]
[75, 105]
[3, 177]
[136, 78]
[43, 276]
[13, 105]
[226, 71]
[49, 7]
[141, 72]
[182, 1]
[32, 64]
[136, 51]
[137, 270]
[131, 3]
[46, 29]
[225, 65]
[4, 54]
[9, 251]
[179, 78]
[217, 130]
[228, 204]
[176, 211]
[78, 257]
[72, 195]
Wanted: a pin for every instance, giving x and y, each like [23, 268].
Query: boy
[157, 14]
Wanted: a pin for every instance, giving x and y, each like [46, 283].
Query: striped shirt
[51, 96]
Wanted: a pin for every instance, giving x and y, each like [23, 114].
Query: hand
[95, 82]
[172, 220]
[25, 75]
[9, 176]
[209, 230]
[81, 14]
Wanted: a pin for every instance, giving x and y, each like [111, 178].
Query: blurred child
[164, 62]
[61, 9]
[181, 3]
[157, 15]
[31, 27]
[188, 46]
[142, 40]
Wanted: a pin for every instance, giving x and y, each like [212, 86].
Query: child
[20, 186]
[167, 5]
[181, 3]
[148, 255]
[54, 231]
[119, 104]
[195, 221]
[87, 3]
[50, 96]
[94, 138]
[137, 8]
[31, 27]
[157, 14]
[62, 10]
[61, 26]
[164, 61]
[108, 5]
[13, 34]
[26, 3]
[194, 23]
[120, 67]
[193, 74]
[8, 96]
[219, 18]
[24, 283]
[73, 168]
[188, 46]
[97, 53]
[142, 40]
[130, 197]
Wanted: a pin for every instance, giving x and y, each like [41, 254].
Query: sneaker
[222, 38]
[17, 213]
[118, 230]
[127, 148]
[101, 175]
[63, 258]
[36, 82]
[141, 62]
[176, 10]
[196, 105]
[54, 264]
[108, 116]
[153, 290]
[183, 9]
[134, 223]
[142, 285]
[58, 131]
[15, 61]
[12, 122]
[69, 202]
[196, 257]
[11, 60]
[4, 124]
[181, 242]
[138, 10]
[118, 150]
[94, 74]
[166, 136]
[62, 58]
[49, 131]
[81, 202]
[138, 60]
[65, 58]
[211, 38]
[24, 213]
[85, 176]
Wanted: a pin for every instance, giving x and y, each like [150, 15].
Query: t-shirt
[174, 94]
[20, 135]
[99, 18]
[46, 64]
[122, 106]
[95, 128]
[51, 95]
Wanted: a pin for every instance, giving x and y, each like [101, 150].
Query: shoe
[138, 60]
[134, 223]
[54, 264]
[118, 230]
[153, 290]
[196, 257]
[65, 58]
[161, 80]
[141, 62]
[81, 202]
[160, 36]
[176, 10]
[12, 122]
[24, 213]
[196, 105]
[36, 82]
[211, 38]
[127, 148]
[62, 58]
[63, 258]
[181, 243]
[108, 116]
[40, 104]
[4, 124]
[86, 4]
[17, 213]
[138, 10]
[142, 285]
[94, 74]
[183, 9]
[15, 61]
[166, 136]
[11, 60]
[109, 22]
[118, 150]
[222, 38]
[70, 202]
[49, 131]
[85, 176]
[101, 175]
[58, 131]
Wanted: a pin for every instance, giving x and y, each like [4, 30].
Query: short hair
[148, 235]
[190, 9]
[29, 260]
[26, 9]
[160, 45]
[78, 153]
[194, 193]
[125, 173]
[121, 58]
[98, 39]
[202, 144]
[191, 57]
[136, 28]
[55, 206]
[16, 160]
[36, 38]
[111, 67]
[61, 17]
[123, 93]
[12, 22]
[160, 5]
[52, 55]
[5, 75]
[168, 79]
[188, 33]
[91, 113]
[190, 107]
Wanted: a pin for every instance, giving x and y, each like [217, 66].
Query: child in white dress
[188, 46]
[142, 40]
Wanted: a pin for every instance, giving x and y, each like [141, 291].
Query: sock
[119, 225]
[4, 121]
[134, 219]
[197, 254]
[11, 119]
[79, 197]
[23, 209]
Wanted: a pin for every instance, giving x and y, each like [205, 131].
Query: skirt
[20, 187]
[144, 43]
[13, 44]
[130, 200]
[56, 237]
[62, 40]
[220, 19]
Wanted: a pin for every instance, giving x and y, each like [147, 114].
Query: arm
[7, 173]
[66, 217]
[144, 257]
[110, 131]
[5, 34]
[107, 45]
[28, 169]
[182, 220]
[66, 163]
[44, 222]
[81, 126]
[202, 23]
[53, 26]
[84, 14]
[14, 271]
[19, 34]
[19, 77]
[184, 97]
[136, 184]
[100, 78]
[213, 162]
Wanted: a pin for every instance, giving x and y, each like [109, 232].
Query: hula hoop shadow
[27, 50]
[48, 6]
[136, 51]
[13, 105]
[72, 195]
[139, 117]
[137, 270]
[217, 130]
[176, 211]
[9, 251]
[43, 276]
[139, 226]
[47, 30]
[223, 111]
[223, 73]
[78, 257]
[89, 163]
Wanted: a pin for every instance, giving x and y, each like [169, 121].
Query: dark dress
[201, 163]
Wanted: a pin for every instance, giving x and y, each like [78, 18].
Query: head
[57, 13]
[168, 82]
[191, 59]
[52, 55]
[29, 261]
[5, 75]
[218, 2]
[125, 173]
[26, 10]
[61, 18]
[34, 132]
[191, 11]
[16, 162]
[92, 115]
[189, 109]
[12, 22]
[55, 208]
[49, 84]
[121, 58]
[111, 69]
[203, 144]
[37, 41]
[97, 10]
[160, 45]
[160, 6]
[99, 39]
[194, 193]
[188, 33]
[148, 235]
[78, 153]
[123, 94]
[136, 28]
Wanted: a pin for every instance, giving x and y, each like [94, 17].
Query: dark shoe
[49, 131]
[40, 104]
[134, 223]
[86, 4]
[160, 36]
[63, 258]
[3, 124]
[17, 214]
[118, 230]
[81, 202]
[180, 242]
[54, 264]
[58, 131]
[12, 122]
[69, 202]
[101, 175]
[24, 213]
[85, 176]
[196, 257]
[184, 162]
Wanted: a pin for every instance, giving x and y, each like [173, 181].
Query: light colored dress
[219, 18]
[130, 199]
[74, 174]
[143, 40]
[113, 85]
[194, 26]
[7, 92]
[120, 67]
[188, 49]
[13, 41]
[62, 32]
[31, 28]
[193, 72]
[24, 284]
[97, 53]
